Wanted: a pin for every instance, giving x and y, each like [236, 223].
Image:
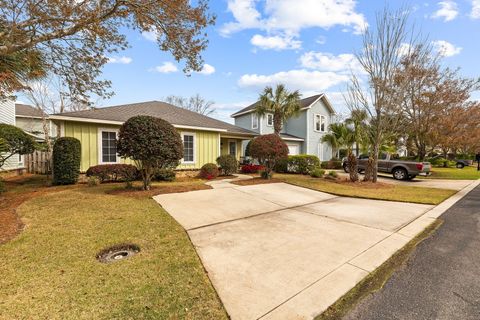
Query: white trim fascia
[100, 147]
[185, 133]
[28, 117]
[198, 128]
[292, 139]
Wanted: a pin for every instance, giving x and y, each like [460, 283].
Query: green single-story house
[204, 138]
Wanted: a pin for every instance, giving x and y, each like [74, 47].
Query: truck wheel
[400, 174]
[460, 165]
[345, 168]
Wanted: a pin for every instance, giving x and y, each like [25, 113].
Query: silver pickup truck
[400, 169]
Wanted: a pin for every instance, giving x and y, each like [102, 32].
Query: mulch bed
[255, 181]
[10, 223]
[155, 191]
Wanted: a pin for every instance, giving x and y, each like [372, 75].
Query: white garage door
[292, 149]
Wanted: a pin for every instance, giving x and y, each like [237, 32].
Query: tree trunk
[352, 166]
[277, 123]
[368, 170]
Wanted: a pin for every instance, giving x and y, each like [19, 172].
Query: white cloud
[207, 69]
[166, 67]
[445, 48]
[303, 80]
[150, 35]
[329, 62]
[120, 60]
[275, 42]
[475, 14]
[448, 10]
[291, 16]
[404, 49]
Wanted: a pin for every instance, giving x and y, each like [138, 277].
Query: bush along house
[204, 138]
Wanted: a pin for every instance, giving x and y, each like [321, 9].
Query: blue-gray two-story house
[302, 134]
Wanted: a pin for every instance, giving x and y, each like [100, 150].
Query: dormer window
[254, 121]
[269, 120]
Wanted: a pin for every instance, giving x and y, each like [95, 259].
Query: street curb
[438, 210]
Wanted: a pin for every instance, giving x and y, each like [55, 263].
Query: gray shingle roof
[174, 115]
[304, 103]
[27, 111]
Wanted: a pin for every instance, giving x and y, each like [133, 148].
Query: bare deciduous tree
[195, 103]
[380, 57]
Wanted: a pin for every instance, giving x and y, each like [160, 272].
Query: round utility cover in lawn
[118, 252]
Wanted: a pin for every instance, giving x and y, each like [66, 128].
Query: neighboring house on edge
[7, 115]
[29, 119]
[204, 138]
[302, 134]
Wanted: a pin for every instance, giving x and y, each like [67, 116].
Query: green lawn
[380, 191]
[467, 173]
[49, 271]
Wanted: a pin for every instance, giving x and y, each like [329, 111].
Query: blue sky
[307, 44]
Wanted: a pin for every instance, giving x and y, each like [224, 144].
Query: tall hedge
[66, 161]
[301, 163]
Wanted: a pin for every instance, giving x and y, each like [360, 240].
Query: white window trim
[320, 151]
[269, 115]
[236, 148]
[194, 147]
[322, 119]
[255, 123]
[100, 147]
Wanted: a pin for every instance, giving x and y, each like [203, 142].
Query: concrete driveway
[277, 251]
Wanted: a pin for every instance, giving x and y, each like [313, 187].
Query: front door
[232, 148]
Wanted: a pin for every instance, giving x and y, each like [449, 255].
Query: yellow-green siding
[206, 148]
[207, 144]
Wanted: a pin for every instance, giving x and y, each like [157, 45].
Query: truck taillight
[420, 166]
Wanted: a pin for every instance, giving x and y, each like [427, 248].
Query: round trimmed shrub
[152, 142]
[209, 171]
[228, 164]
[268, 150]
[66, 161]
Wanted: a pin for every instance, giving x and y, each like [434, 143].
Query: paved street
[442, 277]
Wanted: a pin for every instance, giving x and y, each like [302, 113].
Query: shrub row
[113, 172]
[332, 164]
[302, 164]
[252, 168]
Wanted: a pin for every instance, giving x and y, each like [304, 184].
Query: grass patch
[376, 279]
[53, 272]
[379, 191]
[467, 173]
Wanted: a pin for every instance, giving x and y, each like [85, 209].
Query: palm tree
[281, 103]
[337, 137]
[358, 118]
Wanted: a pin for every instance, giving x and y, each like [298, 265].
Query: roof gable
[304, 103]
